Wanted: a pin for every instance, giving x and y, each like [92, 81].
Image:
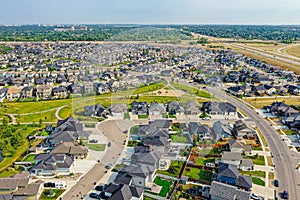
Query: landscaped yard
[174, 169]
[165, 186]
[118, 167]
[203, 161]
[134, 130]
[95, 147]
[51, 194]
[257, 159]
[29, 158]
[180, 138]
[261, 174]
[132, 143]
[199, 174]
[126, 116]
[258, 181]
[143, 116]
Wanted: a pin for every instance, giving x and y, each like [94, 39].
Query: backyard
[51, 194]
[199, 174]
[181, 138]
[165, 186]
[257, 159]
[174, 169]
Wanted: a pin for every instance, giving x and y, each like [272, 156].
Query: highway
[284, 159]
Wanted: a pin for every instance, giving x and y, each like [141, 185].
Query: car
[285, 194]
[256, 197]
[276, 183]
[49, 184]
[60, 184]
[108, 166]
[94, 195]
[99, 187]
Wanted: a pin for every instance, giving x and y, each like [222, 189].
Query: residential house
[43, 91]
[241, 130]
[246, 165]
[222, 108]
[139, 108]
[27, 92]
[204, 132]
[13, 93]
[221, 130]
[88, 87]
[222, 191]
[118, 109]
[59, 92]
[141, 174]
[281, 109]
[149, 158]
[232, 158]
[122, 192]
[52, 164]
[191, 108]
[174, 108]
[70, 149]
[95, 110]
[157, 109]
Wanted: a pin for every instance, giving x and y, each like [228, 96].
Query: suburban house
[141, 174]
[174, 108]
[238, 147]
[118, 109]
[122, 192]
[231, 158]
[19, 186]
[149, 158]
[139, 108]
[241, 130]
[13, 93]
[222, 191]
[27, 92]
[221, 130]
[222, 108]
[157, 109]
[204, 132]
[52, 164]
[43, 91]
[280, 109]
[95, 110]
[191, 108]
[70, 149]
[59, 92]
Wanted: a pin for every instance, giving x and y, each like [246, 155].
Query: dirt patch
[168, 93]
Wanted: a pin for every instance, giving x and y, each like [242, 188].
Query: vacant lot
[260, 102]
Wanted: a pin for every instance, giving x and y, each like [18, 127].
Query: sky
[150, 12]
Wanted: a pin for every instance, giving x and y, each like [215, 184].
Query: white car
[60, 184]
[256, 197]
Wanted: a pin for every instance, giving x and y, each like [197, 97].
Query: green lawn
[126, 116]
[198, 173]
[180, 139]
[132, 143]
[143, 116]
[149, 88]
[165, 186]
[191, 90]
[174, 169]
[289, 132]
[10, 159]
[258, 181]
[203, 161]
[118, 167]
[56, 193]
[29, 158]
[95, 147]
[261, 174]
[134, 130]
[45, 117]
[257, 159]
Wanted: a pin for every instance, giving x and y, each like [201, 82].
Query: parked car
[94, 195]
[256, 197]
[49, 184]
[60, 184]
[285, 194]
[276, 183]
[99, 187]
[108, 166]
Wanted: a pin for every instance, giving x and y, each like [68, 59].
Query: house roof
[246, 163]
[227, 192]
[228, 170]
[244, 182]
[231, 156]
[140, 170]
[126, 192]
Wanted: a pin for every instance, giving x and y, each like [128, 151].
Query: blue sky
[150, 11]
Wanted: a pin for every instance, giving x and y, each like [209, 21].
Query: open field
[260, 102]
[293, 51]
[35, 118]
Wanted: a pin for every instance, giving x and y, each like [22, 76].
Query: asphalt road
[284, 159]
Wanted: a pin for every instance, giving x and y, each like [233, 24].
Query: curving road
[284, 159]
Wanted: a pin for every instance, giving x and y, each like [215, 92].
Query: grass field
[198, 173]
[95, 147]
[191, 90]
[45, 117]
[293, 50]
[203, 161]
[9, 160]
[260, 102]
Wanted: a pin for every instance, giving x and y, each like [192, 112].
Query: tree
[202, 40]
